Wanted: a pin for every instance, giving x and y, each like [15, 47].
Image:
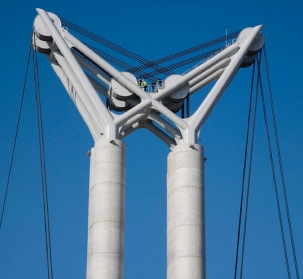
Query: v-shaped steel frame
[105, 124]
[185, 193]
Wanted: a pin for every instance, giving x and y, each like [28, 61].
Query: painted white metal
[99, 87]
[133, 120]
[160, 134]
[165, 125]
[196, 79]
[200, 116]
[152, 115]
[209, 72]
[119, 91]
[170, 115]
[131, 129]
[40, 46]
[92, 68]
[185, 213]
[43, 32]
[258, 42]
[129, 114]
[78, 103]
[119, 77]
[194, 73]
[181, 92]
[86, 85]
[81, 94]
[105, 255]
[185, 176]
[206, 81]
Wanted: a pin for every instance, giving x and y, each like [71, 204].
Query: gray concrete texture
[105, 256]
[185, 213]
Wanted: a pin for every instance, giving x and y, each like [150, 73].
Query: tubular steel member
[86, 76]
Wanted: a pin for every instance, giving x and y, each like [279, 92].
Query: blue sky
[151, 29]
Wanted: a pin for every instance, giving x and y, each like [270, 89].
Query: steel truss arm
[200, 116]
[147, 124]
[91, 68]
[131, 129]
[165, 125]
[160, 134]
[99, 87]
[80, 93]
[83, 80]
[78, 103]
[194, 73]
[201, 77]
[118, 76]
[71, 54]
[206, 81]
[153, 115]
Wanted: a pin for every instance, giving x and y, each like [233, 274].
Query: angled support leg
[78, 103]
[80, 92]
[104, 114]
[200, 116]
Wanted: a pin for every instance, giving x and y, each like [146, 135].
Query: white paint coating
[185, 188]
[105, 251]
[185, 213]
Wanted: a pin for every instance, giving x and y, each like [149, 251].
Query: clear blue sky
[151, 29]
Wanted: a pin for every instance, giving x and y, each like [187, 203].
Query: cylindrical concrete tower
[105, 256]
[185, 213]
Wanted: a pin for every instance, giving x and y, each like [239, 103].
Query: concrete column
[105, 251]
[185, 213]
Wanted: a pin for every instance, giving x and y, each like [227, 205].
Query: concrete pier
[185, 213]
[105, 252]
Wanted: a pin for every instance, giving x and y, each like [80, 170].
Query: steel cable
[145, 63]
[180, 64]
[108, 44]
[249, 175]
[15, 138]
[151, 76]
[244, 169]
[112, 59]
[186, 52]
[280, 162]
[274, 179]
[43, 169]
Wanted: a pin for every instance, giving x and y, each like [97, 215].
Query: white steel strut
[84, 81]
